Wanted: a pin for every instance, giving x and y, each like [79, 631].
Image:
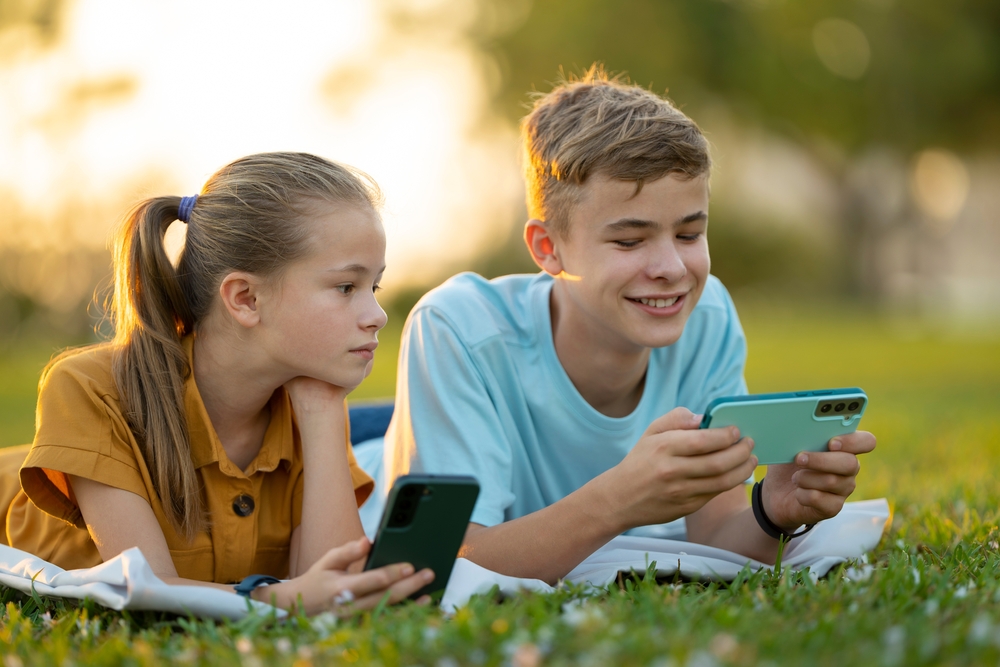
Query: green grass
[931, 595]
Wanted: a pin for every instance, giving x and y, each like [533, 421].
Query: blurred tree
[842, 79]
[41, 18]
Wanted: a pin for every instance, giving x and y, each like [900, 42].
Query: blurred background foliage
[857, 143]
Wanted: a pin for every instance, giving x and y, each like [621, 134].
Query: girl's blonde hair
[248, 217]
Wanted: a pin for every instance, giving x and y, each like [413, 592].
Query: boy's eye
[627, 244]
[376, 288]
[345, 289]
[689, 237]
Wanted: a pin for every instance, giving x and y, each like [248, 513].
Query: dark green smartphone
[424, 523]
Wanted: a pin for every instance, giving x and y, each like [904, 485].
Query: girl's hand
[327, 585]
[816, 486]
[310, 395]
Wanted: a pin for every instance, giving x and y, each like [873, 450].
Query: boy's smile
[635, 264]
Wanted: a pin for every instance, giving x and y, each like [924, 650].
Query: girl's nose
[374, 316]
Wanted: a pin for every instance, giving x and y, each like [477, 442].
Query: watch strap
[255, 581]
[765, 523]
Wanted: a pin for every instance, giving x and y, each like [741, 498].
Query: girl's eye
[627, 244]
[345, 289]
[690, 237]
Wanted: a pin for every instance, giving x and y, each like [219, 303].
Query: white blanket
[127, 582]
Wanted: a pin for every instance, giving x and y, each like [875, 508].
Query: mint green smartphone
[782, 425]
[424, 523]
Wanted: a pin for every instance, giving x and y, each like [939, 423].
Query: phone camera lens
[853, 406]
[839, 407]
[405, 505]
[825, 408]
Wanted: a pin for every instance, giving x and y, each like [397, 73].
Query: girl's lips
[661, 312]
[366, 351]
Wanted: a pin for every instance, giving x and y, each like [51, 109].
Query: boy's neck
[609, 373]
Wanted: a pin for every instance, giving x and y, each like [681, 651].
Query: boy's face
[635, 266]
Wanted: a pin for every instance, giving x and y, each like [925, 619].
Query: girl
[211, 432]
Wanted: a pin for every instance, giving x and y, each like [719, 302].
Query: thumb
[339, 558]
[675, 420]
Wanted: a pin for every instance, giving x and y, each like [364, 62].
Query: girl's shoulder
[86, 367]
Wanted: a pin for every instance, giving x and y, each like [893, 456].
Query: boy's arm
[808, 491]
[673, 470]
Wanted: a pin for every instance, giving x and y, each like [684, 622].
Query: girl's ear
[239, 293]
[542, 244]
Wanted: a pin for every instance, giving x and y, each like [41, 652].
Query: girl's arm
[329, 508]
[118, 520]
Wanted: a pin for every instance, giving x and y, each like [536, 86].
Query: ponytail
[149, 364]
[248, 217]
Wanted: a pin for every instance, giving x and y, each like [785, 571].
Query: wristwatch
[255, 581]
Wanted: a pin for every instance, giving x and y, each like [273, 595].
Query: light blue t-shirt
[481, 392]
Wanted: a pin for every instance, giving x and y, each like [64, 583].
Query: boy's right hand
[675, 469]
[327, 585]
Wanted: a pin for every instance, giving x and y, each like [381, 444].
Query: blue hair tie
[185, 208]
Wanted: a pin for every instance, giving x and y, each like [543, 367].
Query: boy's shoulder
[477, 308]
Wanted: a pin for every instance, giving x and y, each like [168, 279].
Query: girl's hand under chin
[309, 395]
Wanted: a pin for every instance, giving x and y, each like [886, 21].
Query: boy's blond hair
[602, 124]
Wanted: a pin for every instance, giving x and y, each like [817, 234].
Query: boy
[572, 395]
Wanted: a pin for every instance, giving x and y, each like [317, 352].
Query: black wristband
[768, 526]
[255, 581]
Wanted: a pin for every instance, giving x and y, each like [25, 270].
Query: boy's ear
[239, 293]
[543, 245]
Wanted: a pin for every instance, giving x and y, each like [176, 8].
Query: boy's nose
[666, 264]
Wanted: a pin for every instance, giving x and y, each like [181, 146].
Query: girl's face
[322, 319]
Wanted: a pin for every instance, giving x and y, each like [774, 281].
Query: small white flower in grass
[244, 645]
[862, 573]
[963, 591]
[931, 607]
[852, 608]
[916, 575]
[283, 645]
[980, 630]
[430, 634]
[578, 612]
[47, 620]
[894, 640]
[324, 623]
[701, 659]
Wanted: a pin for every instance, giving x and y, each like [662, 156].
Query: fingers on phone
[675, 420]
[826, 482]
[728, 460]
[827, 505]
[859, 442]
[398, 591]
[837, 463]
[705, 441]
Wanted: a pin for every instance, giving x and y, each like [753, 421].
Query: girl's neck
[236, 389]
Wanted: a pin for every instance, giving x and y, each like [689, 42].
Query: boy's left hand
[816, 485]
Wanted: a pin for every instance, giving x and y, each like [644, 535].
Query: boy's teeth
[658, 303]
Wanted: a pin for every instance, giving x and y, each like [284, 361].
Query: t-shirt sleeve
[725, 354]
[77, 433]
[446, 419]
